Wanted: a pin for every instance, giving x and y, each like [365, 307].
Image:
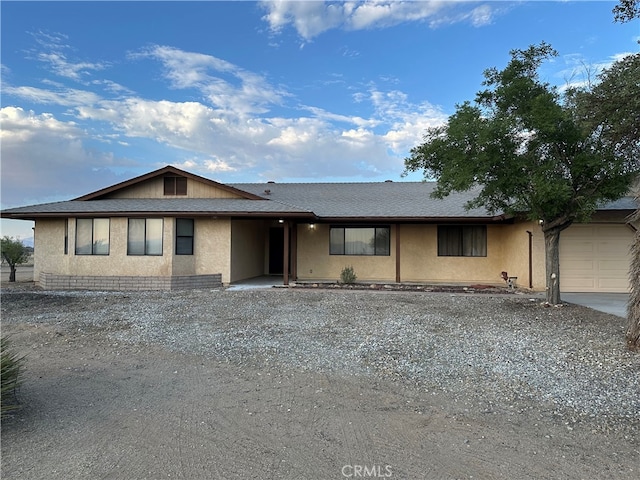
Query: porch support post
[285, 260]
[294, 251]
[397, 252]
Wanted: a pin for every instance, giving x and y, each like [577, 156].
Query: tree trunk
[552, 258]
[12, 273]
[633, 307]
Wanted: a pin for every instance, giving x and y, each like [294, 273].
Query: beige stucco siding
[247, 249]
[154, 188]
[315, 263]
[49, 247]
[507, 250]
[212, 249]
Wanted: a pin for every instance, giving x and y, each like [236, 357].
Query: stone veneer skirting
[50, 281]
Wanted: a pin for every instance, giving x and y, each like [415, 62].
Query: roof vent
[267, 192]
[271, 181]
[388, 181]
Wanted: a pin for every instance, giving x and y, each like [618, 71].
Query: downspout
[530, 259]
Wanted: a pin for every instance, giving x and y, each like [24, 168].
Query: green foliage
[10, 367]
[13, 251]
[348, 275]
[530, 150]
[626, 10]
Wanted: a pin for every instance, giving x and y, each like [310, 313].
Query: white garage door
[595, 258]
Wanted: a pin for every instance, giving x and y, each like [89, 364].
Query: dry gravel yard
[328, 384]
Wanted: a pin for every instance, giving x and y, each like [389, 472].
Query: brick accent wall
[49, 281]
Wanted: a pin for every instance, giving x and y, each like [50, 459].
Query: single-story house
[172, 229]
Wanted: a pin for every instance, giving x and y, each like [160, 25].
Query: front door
[276, 250]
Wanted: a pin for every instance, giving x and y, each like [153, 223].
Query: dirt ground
[97, 409]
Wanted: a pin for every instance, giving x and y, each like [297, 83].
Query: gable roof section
[373, 201]
[328, 202]
[160, 173]
[167, 207]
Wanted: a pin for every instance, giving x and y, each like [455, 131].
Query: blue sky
[94, 93]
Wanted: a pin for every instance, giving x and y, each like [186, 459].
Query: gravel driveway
[298, 383]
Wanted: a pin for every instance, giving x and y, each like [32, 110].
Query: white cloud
[312, 18]
[233, 130]
[40, 154]
[55, 56]
[225, 85]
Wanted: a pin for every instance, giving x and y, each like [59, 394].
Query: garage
[595, 258]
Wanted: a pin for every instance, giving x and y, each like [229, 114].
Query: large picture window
[144, 236]
[184, 236]
[359, 241]
[92, 236]
[462, 241]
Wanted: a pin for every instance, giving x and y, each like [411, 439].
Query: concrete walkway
[613, 303]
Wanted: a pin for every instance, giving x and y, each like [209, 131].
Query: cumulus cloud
[236, 128]
[310, 19]
[43, 154]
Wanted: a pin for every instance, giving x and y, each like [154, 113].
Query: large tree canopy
[534, 151]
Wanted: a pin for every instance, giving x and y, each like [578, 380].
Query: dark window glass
[175, 185]
[359, 241]
[184, 236]
[462, 240]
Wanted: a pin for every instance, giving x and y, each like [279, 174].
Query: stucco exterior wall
[507, 250]
[211, 256]
[48, 251]
[212, 247]
[247, 249]
[315, 263]
[154, 188]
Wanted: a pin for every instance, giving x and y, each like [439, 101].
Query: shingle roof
[385, 201]
[369, 200]
[191, 206]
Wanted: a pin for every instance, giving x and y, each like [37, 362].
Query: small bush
[348, 275]
[10, 366]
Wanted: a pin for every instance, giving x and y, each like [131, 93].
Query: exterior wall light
[312, 226]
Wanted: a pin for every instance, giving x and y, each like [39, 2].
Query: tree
[626, 11]
[14, 253]
[633, 307]
[531, 151]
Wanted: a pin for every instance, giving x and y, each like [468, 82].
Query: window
[144, 236]
[66, 236]
[175, 185]
[359, 241]
[92, 236]
[184, 236]
[462, 241]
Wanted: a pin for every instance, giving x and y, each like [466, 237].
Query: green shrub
[10, 367]
[348, 275]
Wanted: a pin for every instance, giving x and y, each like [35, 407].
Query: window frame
[175, 186]
[378, 251]
[461, 235]
[145, 240]
[178, 236]
[94, 227]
